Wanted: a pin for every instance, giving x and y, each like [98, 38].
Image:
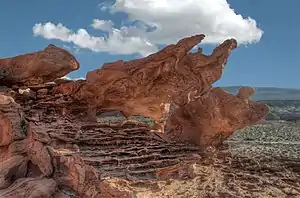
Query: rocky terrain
[56, 139]
[278, 137]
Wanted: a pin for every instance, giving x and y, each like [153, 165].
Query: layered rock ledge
[52, 144]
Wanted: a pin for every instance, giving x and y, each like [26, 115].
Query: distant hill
[270, 93]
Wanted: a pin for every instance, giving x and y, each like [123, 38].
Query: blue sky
[272, 59]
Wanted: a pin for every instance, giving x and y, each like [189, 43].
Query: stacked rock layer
[51, 144]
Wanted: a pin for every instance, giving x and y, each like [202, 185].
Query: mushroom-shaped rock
[211, 119]
[37, 67]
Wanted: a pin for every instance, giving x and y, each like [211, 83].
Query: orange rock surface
[211, 119]
[31, 168]
[49, 149]
[149, 85]
[37, 67]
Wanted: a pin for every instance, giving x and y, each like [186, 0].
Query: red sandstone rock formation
[149, 85]
[47, 149]
[37, 67]
[211, 119]
[27, 162]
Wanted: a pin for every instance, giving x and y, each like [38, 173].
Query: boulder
[37, 67]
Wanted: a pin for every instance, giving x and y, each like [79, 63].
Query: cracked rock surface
[53, 145]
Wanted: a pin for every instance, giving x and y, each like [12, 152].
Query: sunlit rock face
[211, 119]
[37, 67]
[148, 86]
[52, 143]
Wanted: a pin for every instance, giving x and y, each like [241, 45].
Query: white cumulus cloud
[72, 49]
[158, 22]
[70, 78]
[117, 41]
[102, 25]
